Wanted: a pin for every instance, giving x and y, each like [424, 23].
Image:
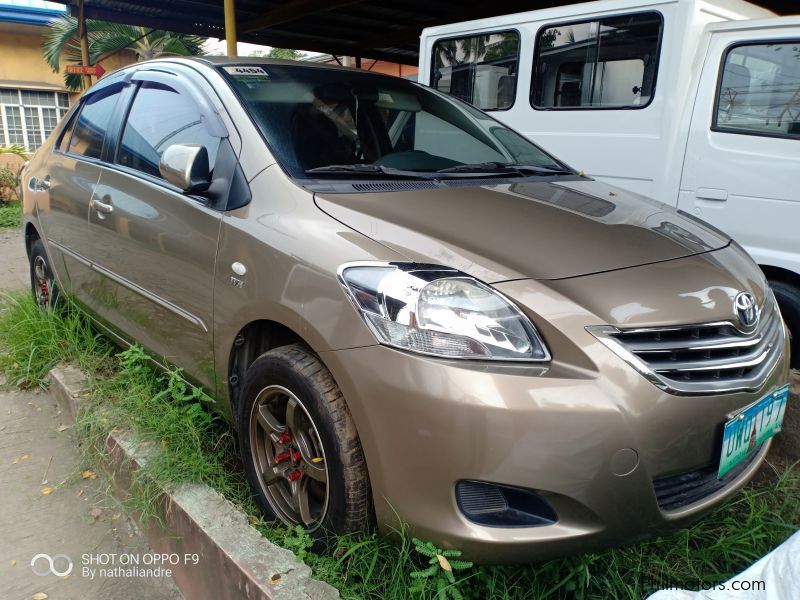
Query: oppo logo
[44, 564]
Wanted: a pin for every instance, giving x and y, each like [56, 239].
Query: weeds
[10, 215]
[195, 445]
[439, 573]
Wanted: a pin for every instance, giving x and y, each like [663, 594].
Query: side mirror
[186, 166]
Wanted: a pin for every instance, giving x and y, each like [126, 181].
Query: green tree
[107, 38]
[284, 54]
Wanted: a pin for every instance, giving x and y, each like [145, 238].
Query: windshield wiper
[366, 169]
[477, 170]
[505, 168]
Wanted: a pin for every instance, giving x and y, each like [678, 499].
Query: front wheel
[299, 444]
[43, 283]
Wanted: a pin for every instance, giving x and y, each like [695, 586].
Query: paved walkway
[14, 273]
[76, 517]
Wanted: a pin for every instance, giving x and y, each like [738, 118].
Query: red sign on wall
[96, 70]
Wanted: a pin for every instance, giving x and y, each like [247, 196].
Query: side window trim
[715, 127]
[598, 19]
[73, 120]
[69, 124]
[117, 124]
[480, 34]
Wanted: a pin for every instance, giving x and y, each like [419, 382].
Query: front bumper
[565, 430]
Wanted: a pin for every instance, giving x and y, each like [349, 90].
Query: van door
[742, 165]
[153, 246]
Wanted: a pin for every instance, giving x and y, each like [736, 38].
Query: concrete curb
[235, 560]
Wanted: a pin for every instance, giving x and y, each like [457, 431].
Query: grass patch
[198, 446]
[10, 215]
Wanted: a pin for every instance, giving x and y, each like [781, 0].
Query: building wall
[368, 64]
[27, 118]
[388, 68]
[22, 59]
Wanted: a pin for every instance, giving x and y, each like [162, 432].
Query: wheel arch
[251, 341]
[781, 274]
[790, 311]
[31, 235]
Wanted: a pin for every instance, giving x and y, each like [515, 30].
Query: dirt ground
[48, 507]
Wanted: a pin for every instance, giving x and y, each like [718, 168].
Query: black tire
[43, 283]
[788, 297]
[299, 372]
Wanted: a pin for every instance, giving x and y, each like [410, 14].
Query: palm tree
[107, 38]
[14, 149]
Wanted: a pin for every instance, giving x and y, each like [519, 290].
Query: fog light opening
[497, 505]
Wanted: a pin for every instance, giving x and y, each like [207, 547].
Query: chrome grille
[706, 358]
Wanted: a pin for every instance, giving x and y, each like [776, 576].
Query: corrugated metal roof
[29, 12]
[383, 29]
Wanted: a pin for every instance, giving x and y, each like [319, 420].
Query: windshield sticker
[248, 74]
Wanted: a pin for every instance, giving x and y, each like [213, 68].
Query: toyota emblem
[746, 309]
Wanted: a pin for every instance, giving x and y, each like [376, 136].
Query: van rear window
[480, 69]
[605, 63]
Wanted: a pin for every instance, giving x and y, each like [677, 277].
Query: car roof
[257, 60]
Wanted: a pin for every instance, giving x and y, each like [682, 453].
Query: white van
[695, 103]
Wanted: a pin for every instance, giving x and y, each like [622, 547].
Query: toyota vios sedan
[408, 311]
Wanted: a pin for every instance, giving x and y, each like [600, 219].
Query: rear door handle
[711, 194]
[40, 185]
[102, 207]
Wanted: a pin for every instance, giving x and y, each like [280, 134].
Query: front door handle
[101, 207]
[711, 194]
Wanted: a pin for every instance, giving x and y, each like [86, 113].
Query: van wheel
[43, 283]
[788, 297]
[299, 445]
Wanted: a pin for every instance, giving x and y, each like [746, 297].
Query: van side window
[159, 117]
[90, 127]
[606, 63]
[481, 69]
[759, 91]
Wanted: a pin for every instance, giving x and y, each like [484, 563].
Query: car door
[153, 246]
[64, 185]
[742, 164]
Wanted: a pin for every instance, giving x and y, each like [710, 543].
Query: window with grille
[27, 117]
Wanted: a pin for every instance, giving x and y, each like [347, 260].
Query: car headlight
[440, 311]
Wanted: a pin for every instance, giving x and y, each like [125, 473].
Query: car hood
[540, 230]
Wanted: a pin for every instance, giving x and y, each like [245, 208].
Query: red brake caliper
[289, 454]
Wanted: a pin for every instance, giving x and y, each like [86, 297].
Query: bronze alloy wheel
[42, 282]
[287, 453]
[45, 291]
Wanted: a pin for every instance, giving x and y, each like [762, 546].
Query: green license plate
[754, 425]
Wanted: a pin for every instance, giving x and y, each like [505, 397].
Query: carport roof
[380, 29]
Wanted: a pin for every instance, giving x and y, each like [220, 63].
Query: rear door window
[759, 90]
[480, 69]
[605, 63]
[90, 127]
[160, 117]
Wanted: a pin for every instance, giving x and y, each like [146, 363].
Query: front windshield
[314, 118]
